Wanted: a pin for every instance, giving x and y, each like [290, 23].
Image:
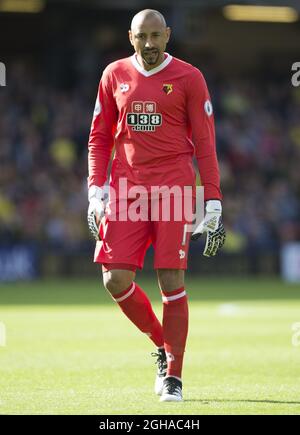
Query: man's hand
[213, 227]
[96, 210]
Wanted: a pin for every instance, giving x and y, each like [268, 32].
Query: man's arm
[201, 120]
[101, 140]
[100, 146]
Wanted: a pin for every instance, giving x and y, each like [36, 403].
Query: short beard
[151, 62]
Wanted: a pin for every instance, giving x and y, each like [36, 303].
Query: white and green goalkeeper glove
[213, 227]
[96, 210]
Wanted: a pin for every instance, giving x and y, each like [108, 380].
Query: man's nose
[149, 43]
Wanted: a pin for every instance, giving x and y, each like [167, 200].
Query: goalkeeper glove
[96, 210]
[213, 227]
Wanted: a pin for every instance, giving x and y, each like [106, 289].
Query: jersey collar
[154, 70]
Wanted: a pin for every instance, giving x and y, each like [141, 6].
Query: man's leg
[122, 250]
[175, 321]
[133, 302]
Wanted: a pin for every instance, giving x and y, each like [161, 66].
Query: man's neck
[150, 67]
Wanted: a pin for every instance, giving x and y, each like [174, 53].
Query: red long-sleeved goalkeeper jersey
[157, 120]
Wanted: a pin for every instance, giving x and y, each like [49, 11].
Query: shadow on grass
[210, 401]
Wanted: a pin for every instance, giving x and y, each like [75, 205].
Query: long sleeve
[201, 121]
[101, 139]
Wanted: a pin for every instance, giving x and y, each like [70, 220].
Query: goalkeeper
[155, 110]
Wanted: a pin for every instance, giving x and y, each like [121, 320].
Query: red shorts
[124, 243]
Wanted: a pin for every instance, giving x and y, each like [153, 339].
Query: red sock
[136, 305]
[175, 328]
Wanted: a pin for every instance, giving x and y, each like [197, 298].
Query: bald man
[150, 54]
[155, 110]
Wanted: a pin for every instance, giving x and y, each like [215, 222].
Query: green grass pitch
[69, 350]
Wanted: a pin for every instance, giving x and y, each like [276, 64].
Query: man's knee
[170, 279]
[115, 280]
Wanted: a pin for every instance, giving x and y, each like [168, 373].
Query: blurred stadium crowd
[43, 159]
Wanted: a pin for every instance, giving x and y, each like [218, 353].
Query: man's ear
[168, 29]
[130, 37]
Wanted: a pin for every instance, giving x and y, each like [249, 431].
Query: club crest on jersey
[167, 88]
[124, 87]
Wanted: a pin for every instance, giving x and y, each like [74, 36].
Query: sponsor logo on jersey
[143, 116]
[124, 87]
[168, 88]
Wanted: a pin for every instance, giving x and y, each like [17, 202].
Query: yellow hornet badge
[168, 88]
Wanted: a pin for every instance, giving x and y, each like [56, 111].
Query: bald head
[148, 14]
[149, 36]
